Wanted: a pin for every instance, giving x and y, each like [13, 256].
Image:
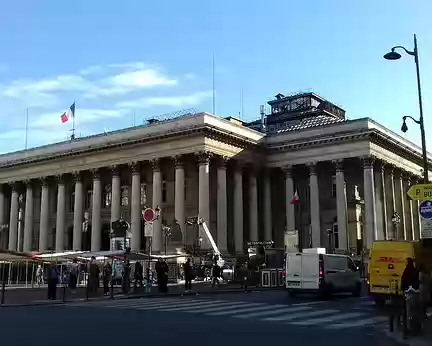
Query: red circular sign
[148, 215]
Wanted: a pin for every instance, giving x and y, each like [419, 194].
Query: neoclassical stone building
[351, 177]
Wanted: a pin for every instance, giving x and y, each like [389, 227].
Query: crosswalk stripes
[295, 314]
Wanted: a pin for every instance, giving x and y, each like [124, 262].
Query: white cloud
[169, 101]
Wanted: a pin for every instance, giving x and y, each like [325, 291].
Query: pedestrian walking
[216, 272]
[126, 277]
[138, 276]
[93, 275]
[39, 276]
[73, 275]
[107, 277]
[187, 272]
[53, 278]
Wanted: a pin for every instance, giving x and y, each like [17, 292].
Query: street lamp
[395, 220]
[167, 234]
[393, 55]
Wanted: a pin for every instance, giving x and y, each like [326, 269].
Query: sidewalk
[422, 340]
[38, 296]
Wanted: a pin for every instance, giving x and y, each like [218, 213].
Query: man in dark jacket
[187, 269]
[410, 276]
[53, 278]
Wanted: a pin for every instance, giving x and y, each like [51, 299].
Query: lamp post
[393, 55]
[167, 234]
[395, 220]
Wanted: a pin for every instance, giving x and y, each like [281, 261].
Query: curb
[142, 296]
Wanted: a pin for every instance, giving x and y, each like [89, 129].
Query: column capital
[77, 176]
[135, 167]
[178, 161]
[16, 186]
[339, 164]
[222, 161]
[204, 157]
[28, 183]
[252, 169]
[60, 178]
[44, 181]
[368, 161]
[312, 167]
[238, 165]
[115, 170]
[288, 170]
[155, 163]
[95, 173]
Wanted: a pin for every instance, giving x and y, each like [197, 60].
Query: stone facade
[351, 176]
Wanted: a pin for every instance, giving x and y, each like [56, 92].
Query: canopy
[13, 256]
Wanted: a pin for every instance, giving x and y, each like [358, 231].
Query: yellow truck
[387, 262]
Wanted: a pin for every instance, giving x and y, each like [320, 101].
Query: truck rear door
[294, 271]
[310, 271]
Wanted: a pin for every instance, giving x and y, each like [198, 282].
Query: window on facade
[89, 199]
[143, 194]
[124, 196]
[164, 192]
[333, 190]
[185, 189]
[107, 198]
[72, 202]
[335, 236]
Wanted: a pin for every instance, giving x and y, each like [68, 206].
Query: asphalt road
[246, 318]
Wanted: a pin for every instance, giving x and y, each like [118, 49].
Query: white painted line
[136, 304]
[166, 306]
[110, 302]
[204, 306]
[272, 312]
[323, 320]
[221, 308]
[359, 323]
[311, 303]
[246, 309]
[301, 315]
[196, 304]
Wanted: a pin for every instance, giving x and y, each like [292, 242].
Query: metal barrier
[272, 278]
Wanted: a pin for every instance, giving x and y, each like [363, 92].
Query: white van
[321, 273]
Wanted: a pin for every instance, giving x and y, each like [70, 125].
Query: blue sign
[425, 210]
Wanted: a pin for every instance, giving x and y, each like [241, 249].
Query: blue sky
[135, 56]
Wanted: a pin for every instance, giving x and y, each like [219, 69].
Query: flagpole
[73, 122]
[26, 129]
[213, 84]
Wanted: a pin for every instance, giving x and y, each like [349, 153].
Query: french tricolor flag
[295, 198]
[70, 113]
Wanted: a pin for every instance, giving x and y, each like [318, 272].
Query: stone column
[13, 223]
[157, 202]
[204, 193]
[2, 217]
[96, 228]
[268, 221]
[115, 194]
[410, 211]
[369, 202]
[44, 216]
[238, 209]
[314, 205]
[391, 203]
[341, 205]
[179, 194]
[384, 202]
[222, 218]
[61, 214]
[289, 194]
[136, 207]
[28, 221]
[78, 212]
[253, 205]
[402, 226]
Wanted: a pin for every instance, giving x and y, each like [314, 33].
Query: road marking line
[205, 306]
[300, 315]
[105, 302]
[136, 304]
[272, 312]
[220, 308]
[311, 303]
[197, 304]
[165, 306]
[323, 320]
[359, 323]
[246, 309]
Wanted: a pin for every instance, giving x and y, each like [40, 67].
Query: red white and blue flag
[70, 113]
[295, 198]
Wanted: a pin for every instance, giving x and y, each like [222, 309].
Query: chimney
[262, 112]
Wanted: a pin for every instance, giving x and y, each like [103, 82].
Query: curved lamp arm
[406, 50]
[408, 116]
